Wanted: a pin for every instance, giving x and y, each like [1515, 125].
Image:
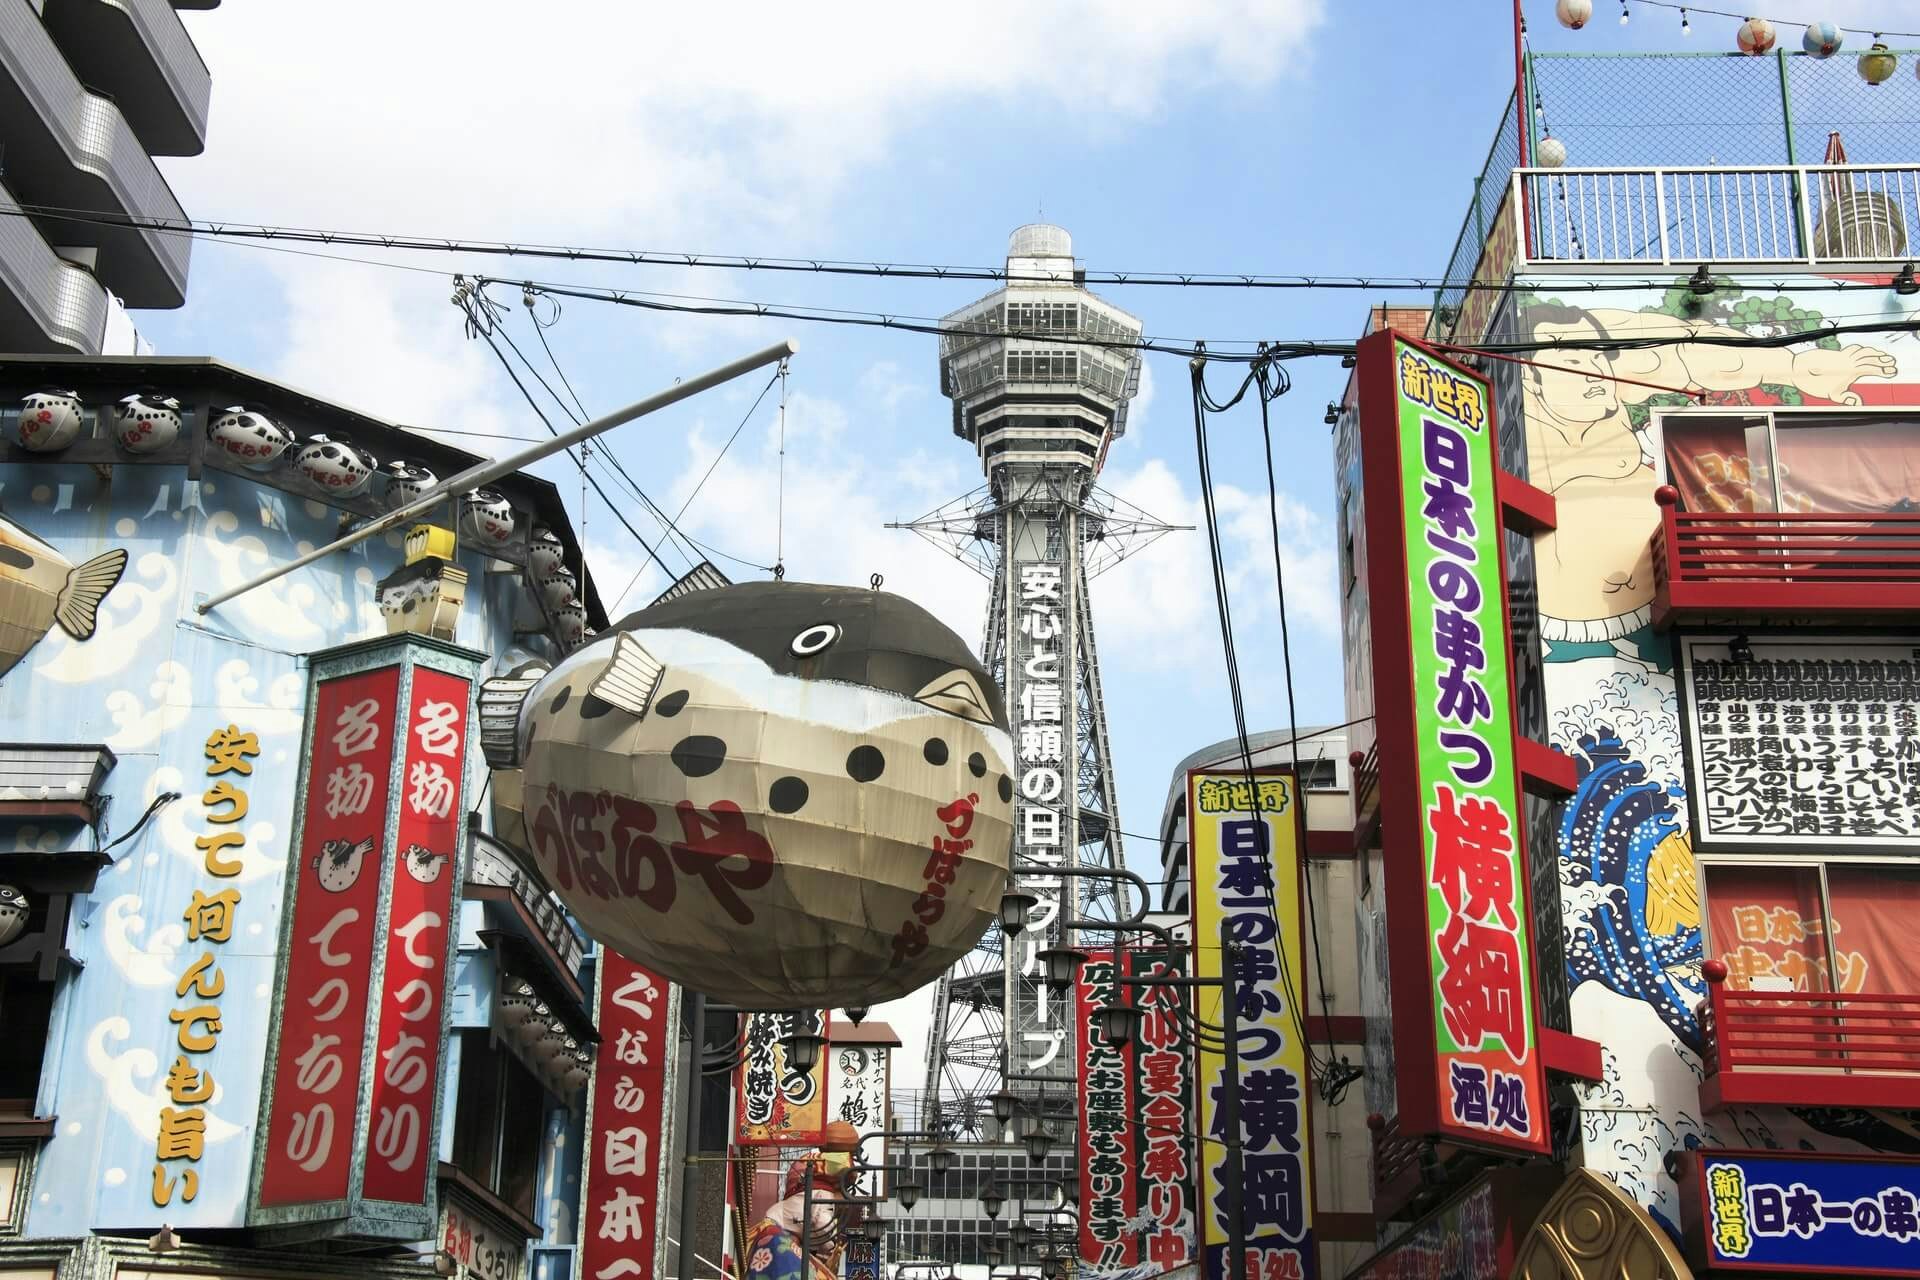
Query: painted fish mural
[40, 587]
[788, 795]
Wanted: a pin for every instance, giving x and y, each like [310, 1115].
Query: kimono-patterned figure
[773, 1249]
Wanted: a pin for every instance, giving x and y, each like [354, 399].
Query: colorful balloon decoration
[1756, 36]
[49, 421]
[146, 423]
[1821, 39]
[1877, 65]
[1573, 13]
[787, 796]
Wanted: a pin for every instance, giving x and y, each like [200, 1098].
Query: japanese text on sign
[1490, 1082]
[1043, 735]
[622, 1205]
[1783, 1213]
[1163, 1154]
[1246, 873]
[860, 1100]
[1109, 1190]
[1812, 742]
[778, 1103]
[209, 919]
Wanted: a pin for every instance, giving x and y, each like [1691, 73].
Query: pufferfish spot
[935, 751]
[1006, 789]
[699, 755]
[978, 764]
[787, 794]
[672, 704]
[865, 763]
[592, 708]
[560, 699]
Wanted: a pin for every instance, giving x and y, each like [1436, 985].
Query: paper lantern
[1573, 13]
[1821, 39]
[339, 468]
[784, 795]
[146, 423]
[558, 587]
[545, 551]
[1877, 65]
[570, 623]
[1551, 153]
[487, 516]
[49, 421]
[1756, 36]
[406, 482]
[249, 437]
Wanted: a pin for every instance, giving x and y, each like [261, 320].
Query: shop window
[499, 1119]
[1836, 927]
[25, 1001]
[1843, 463]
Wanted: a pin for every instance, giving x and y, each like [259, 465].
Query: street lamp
[1016, 905]
[990, 1201]
[940, 1158]
[1120, 1023]
[907, 1193]
[1070, 1186]
[1038, 1142]
[1019, 1233]
[1061, 964]
[803, 1048]
[1005, 1103]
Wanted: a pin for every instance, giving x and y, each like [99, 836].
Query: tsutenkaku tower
[1040, 399]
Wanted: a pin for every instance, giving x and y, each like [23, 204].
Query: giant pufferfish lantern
[783, 795]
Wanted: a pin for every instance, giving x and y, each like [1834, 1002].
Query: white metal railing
[1803, 214]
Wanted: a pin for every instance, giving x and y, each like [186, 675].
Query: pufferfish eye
[814, 639]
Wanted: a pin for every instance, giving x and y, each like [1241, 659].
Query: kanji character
[210, 916]
[1450, 508]
[1040, 743]
[432, 791]
[1462, 699]
[225, 793]
[1270, 1109]
[626, 1152]
[1164, 1161]
[212, 846]
[439, 728]
[354, 729]
[1415, 378]
[1508, 1103]
[1039, 826]
[1245, 838]
[1468, 1084]
[622, 1217]
[1481, 984]
[1444, 451]
[1803, 1210]
[207, 985]
[228, 750]
[349, 790]
[1040, 703]
[1898, 1217]
[187, 1085]
[1750, 923]
[1473, 856]
[182, 1133]
[1039, 582]
[1274, 1191]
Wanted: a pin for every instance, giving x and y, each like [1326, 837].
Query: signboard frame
[354, 1214]
[1423, 1061]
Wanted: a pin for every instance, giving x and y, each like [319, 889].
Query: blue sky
[1287, 136]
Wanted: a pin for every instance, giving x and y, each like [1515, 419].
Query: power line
[1778, 22]
[222, 229]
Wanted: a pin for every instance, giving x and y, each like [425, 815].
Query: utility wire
[1778, 22]
[222, 229]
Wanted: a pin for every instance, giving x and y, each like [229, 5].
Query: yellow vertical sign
[1244, 840]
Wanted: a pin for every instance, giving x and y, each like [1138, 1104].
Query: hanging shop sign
[210, 918]
[477, 1243]
[777, 1104]
[862, 1074]
[1245, 835]
[1804, 745]
[1466, 1061]
[1161, 1104]
[349, 1122]
[625, 1193]
[1801, 1213]
[863, 1260]
[1109, 1187]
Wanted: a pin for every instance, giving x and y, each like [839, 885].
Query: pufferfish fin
[630, 678]
[78, 603]
[1673, 895]
[501, 699]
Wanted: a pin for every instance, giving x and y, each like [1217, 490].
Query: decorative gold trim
[1590, 1230]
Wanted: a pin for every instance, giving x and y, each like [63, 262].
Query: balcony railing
[1806, 215]
[1728, 563]
[1808, 1048]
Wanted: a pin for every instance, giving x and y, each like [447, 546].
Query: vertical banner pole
[696, 1092]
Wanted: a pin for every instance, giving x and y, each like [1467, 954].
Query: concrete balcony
[47, 305]
[137, 52]
[69, 148]
[1813, 216]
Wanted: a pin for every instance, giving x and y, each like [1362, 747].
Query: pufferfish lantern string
[779, 794]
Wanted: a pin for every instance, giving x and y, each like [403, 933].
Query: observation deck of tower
[1040, 373]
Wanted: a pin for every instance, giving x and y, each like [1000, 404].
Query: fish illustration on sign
[40, 587]
[422, 863]
[789, 795]
[338, 863]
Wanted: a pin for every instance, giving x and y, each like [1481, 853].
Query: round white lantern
[49, 421]
[406, 482]
[545, 551]
[1573, 13]
[146, 423]
[336, 467]
[1551, 153]
[249, 437]
[487, 516]
[559, 587]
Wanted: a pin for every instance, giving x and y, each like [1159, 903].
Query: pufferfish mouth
[956, 693]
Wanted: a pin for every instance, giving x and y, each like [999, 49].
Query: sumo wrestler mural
[784, 795]
[1629, 885]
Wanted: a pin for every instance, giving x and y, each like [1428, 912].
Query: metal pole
[806, 1225]
[483, 472]
[1230, 1109]
[696, 1006]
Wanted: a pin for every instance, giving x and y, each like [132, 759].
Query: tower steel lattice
[1041, 400]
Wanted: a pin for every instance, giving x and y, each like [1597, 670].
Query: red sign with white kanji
[335, 881]
[623, 1206]
[1109, 1187]
[420, 918]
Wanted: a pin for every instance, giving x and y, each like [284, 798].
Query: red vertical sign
[622, 1194]
[1108, 1185]
[349, 753]
[1162, 1150]
[419, 917]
